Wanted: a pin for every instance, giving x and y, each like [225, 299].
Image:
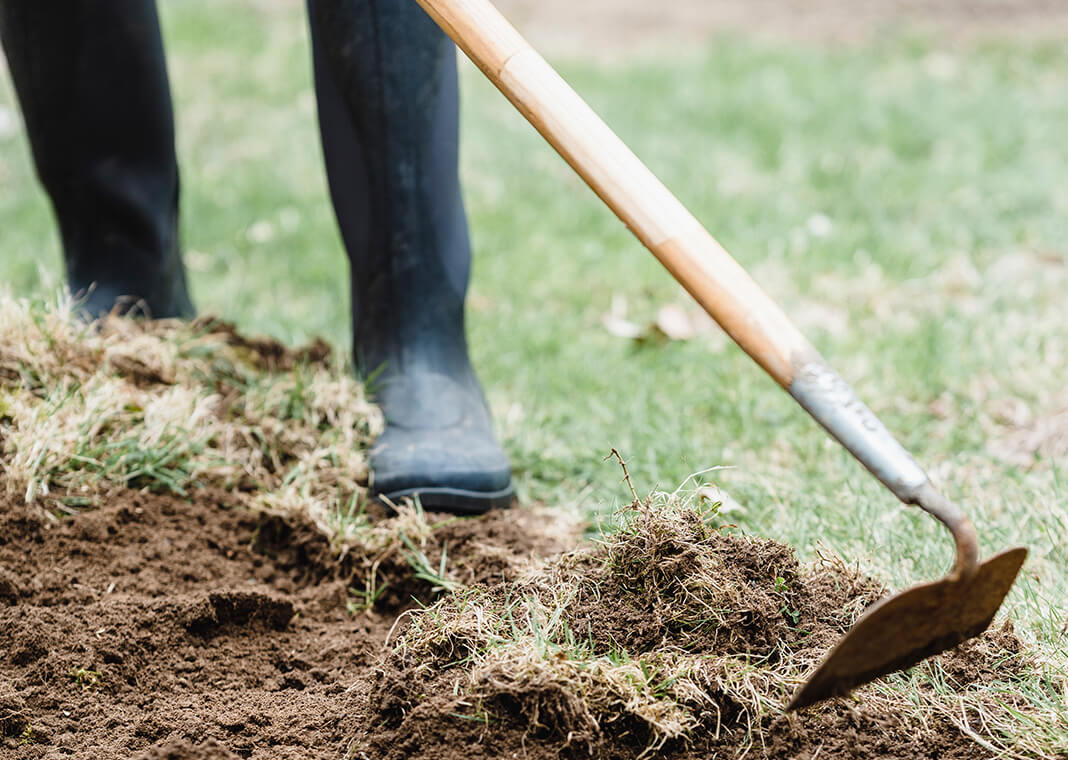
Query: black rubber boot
[92, 83]
[388, 110]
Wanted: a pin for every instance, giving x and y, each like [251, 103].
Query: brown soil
[160, 628]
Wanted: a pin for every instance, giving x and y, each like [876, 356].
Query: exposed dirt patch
[158, 628]
[186, 630]
[153, 621]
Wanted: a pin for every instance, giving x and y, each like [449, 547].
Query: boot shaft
[386, 82]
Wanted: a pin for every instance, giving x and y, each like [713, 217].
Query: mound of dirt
[672, 637]
[689, 586]
[155, 627]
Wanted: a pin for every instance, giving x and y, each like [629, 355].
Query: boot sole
[455, 500]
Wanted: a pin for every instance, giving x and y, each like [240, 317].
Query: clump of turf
[87, 410]
[674, 577]
[674, 635]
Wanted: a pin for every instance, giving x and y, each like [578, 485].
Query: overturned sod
[671, 638]
[188, 570]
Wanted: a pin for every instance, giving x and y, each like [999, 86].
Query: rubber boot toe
[439, 446]
[452, 470]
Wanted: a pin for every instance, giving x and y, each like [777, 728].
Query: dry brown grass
[169, 406]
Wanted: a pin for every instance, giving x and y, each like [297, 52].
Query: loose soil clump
[158, 627]
[672, 638]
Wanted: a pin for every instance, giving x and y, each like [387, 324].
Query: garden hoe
[893, 634]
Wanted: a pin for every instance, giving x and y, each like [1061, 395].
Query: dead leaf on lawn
[616, 322]
[672, 322]
[675, 323]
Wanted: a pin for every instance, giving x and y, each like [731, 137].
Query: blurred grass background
[905, 200]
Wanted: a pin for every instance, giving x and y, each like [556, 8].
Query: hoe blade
[900, 631]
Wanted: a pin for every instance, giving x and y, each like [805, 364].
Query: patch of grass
[1021, 716]
[166, 407]
[365, 599]
[422, 569]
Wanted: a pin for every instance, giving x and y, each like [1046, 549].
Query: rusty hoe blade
[898, 632]
[904, 629]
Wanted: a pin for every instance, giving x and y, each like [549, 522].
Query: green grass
[938, 288]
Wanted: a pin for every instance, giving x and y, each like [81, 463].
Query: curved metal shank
[833, 403]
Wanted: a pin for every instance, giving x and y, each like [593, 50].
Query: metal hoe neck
[927, 498]
[830, 400]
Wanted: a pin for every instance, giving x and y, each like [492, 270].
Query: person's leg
[388, 110]
[92, 82]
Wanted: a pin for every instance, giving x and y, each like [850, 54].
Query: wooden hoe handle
[624, 183]
[690, 253]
